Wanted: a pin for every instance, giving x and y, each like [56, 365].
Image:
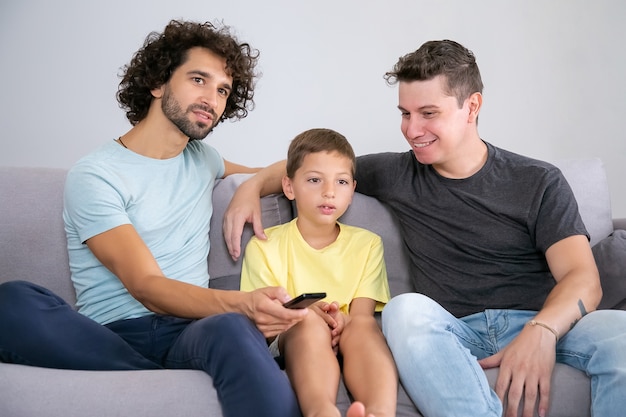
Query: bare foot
[357, 409]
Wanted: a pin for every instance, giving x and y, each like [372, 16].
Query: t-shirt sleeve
[558, 216]
[374, 283]
[255, 270]
[93, 204]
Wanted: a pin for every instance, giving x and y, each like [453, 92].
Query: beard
[175, 114]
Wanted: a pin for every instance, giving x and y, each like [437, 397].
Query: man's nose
[209, 98]
[413, 128]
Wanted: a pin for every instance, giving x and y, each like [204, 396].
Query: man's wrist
[545, 326]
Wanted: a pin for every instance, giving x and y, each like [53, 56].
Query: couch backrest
[364, 211]
[33, 245]
[32, 238]
[587, 177]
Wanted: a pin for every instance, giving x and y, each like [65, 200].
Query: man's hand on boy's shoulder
[244, 207]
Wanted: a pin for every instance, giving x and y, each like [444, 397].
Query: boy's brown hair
[317, 140]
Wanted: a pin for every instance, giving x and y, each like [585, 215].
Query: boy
[315, 253]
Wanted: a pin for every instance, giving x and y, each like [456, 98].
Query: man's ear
[475, 102]
[288, 188]
[157, 92]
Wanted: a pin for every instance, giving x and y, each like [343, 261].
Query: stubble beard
[173, 111]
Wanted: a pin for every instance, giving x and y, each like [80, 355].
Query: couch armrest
[619, 223]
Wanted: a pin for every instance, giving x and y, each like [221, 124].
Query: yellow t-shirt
[351, 267]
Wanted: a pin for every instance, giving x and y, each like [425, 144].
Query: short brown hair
[317, 140]
[447, 58]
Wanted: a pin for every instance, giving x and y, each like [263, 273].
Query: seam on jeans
[568, 357]
[474, 342]
[481, 381]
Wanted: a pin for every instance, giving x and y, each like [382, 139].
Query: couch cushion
[371, 214]
[587, 178]
[275, 209]
[32, 236]
[33, 391]
[610, 255]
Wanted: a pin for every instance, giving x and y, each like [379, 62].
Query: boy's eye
[343, 182]
[314, 180]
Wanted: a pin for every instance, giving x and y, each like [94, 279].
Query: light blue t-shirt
[167, 201]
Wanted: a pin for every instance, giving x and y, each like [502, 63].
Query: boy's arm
[245, 206]
[362, 305]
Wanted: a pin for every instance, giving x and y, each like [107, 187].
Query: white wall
[554, 73]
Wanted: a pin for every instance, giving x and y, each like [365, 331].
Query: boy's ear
[288, 188]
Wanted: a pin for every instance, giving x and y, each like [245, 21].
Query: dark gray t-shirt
[477, 243]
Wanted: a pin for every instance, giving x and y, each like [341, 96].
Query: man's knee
[408, 305]
[12, 289]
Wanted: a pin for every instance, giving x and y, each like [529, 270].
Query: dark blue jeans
[39, 328]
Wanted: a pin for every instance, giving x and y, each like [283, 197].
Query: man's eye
[198, 80]
[223, 92]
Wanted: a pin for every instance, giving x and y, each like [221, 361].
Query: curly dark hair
[445, 57]
[162, 53]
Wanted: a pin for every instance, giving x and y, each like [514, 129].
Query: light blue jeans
[436, 355]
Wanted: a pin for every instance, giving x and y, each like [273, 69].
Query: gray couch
[32, 247]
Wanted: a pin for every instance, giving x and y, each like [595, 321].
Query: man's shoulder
[521, 163]
[385, 157]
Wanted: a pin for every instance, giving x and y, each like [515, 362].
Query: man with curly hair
[137, 213]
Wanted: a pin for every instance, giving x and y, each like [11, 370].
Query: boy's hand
[335, 319]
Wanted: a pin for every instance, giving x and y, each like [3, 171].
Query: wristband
[545, 326]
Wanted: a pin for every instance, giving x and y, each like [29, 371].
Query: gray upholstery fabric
[33, 248]
[587, 178]
[610, 255]
[223, 271]
[27, 391]
[32, 237]
[369, 213]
